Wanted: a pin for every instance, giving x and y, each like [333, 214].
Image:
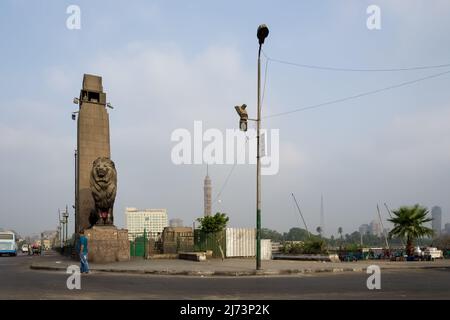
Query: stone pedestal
[107, 244]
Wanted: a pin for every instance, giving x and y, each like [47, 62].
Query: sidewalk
[230, 267]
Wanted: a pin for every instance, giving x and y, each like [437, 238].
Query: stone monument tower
[93, 142]
[207, 190]
[95, 176]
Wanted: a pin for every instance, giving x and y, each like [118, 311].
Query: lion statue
[103, 183]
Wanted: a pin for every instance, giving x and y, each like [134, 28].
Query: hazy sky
[166, 64]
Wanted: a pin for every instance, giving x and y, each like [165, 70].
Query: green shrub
[315, 246]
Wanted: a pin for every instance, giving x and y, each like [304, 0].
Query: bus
[8, 243]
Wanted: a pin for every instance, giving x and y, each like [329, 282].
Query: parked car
[25, 248]
[432, 253]
[36, 249]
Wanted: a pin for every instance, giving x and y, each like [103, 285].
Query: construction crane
[389, 211]
[301, 215]
[381, 222]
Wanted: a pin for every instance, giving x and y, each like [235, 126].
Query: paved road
[20, 282]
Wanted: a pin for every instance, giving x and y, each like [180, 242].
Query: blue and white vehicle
[8, 243]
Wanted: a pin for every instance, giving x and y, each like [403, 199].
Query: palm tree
[319, 231]
[409, 224]
[340, 233]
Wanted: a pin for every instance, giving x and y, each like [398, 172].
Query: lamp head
[262, 33]
[241, 111]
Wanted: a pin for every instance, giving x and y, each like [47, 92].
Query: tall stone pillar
[93, 142]
[207, 191]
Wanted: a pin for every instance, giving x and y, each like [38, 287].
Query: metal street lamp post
[66, 218]
[61, 224]
[262, 34]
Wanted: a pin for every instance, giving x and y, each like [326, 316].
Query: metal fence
[174, 242]
[232, 243]
[241, 242]
[215, 242]
[144, 244]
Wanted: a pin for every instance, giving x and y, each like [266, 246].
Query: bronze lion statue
[103, 183]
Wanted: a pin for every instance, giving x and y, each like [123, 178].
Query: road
[18, 281]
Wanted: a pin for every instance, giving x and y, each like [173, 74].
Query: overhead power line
[328, 68]
[224, 184]
[265, 80]
[359, 95]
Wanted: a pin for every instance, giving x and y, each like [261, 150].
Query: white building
[153, 221]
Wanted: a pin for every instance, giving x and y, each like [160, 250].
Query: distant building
[46, 244]
[175, 223]
[364, 229]
[49, 235]
[153, 221]
[177, 239]
[375, 228]
[436, 224]
[447, 228]
[207, 190]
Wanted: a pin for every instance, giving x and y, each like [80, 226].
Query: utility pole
[66, 221]
[262, 34]
[59, 234]
[322, 217]
[42, 244]
[61, 223]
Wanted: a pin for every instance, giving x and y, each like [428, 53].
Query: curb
[267, 272]
[227, 273]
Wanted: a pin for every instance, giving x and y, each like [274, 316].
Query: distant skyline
[166, 64]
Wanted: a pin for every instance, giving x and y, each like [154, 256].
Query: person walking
[84, 268]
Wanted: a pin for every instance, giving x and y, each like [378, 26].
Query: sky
[166, 64]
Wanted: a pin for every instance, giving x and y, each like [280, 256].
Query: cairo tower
[207, 190]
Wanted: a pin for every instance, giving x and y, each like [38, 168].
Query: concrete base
[107, 244]
[307, 257]
[194, 256]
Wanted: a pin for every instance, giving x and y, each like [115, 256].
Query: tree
[271, 234]
[296, 234]
[332, 240]
[215, 224]
[409, 224]
[340, 230]
[319, 231]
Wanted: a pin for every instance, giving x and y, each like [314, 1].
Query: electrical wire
[265, 80]
[318, 67]
[360, 95]
[224, 184]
